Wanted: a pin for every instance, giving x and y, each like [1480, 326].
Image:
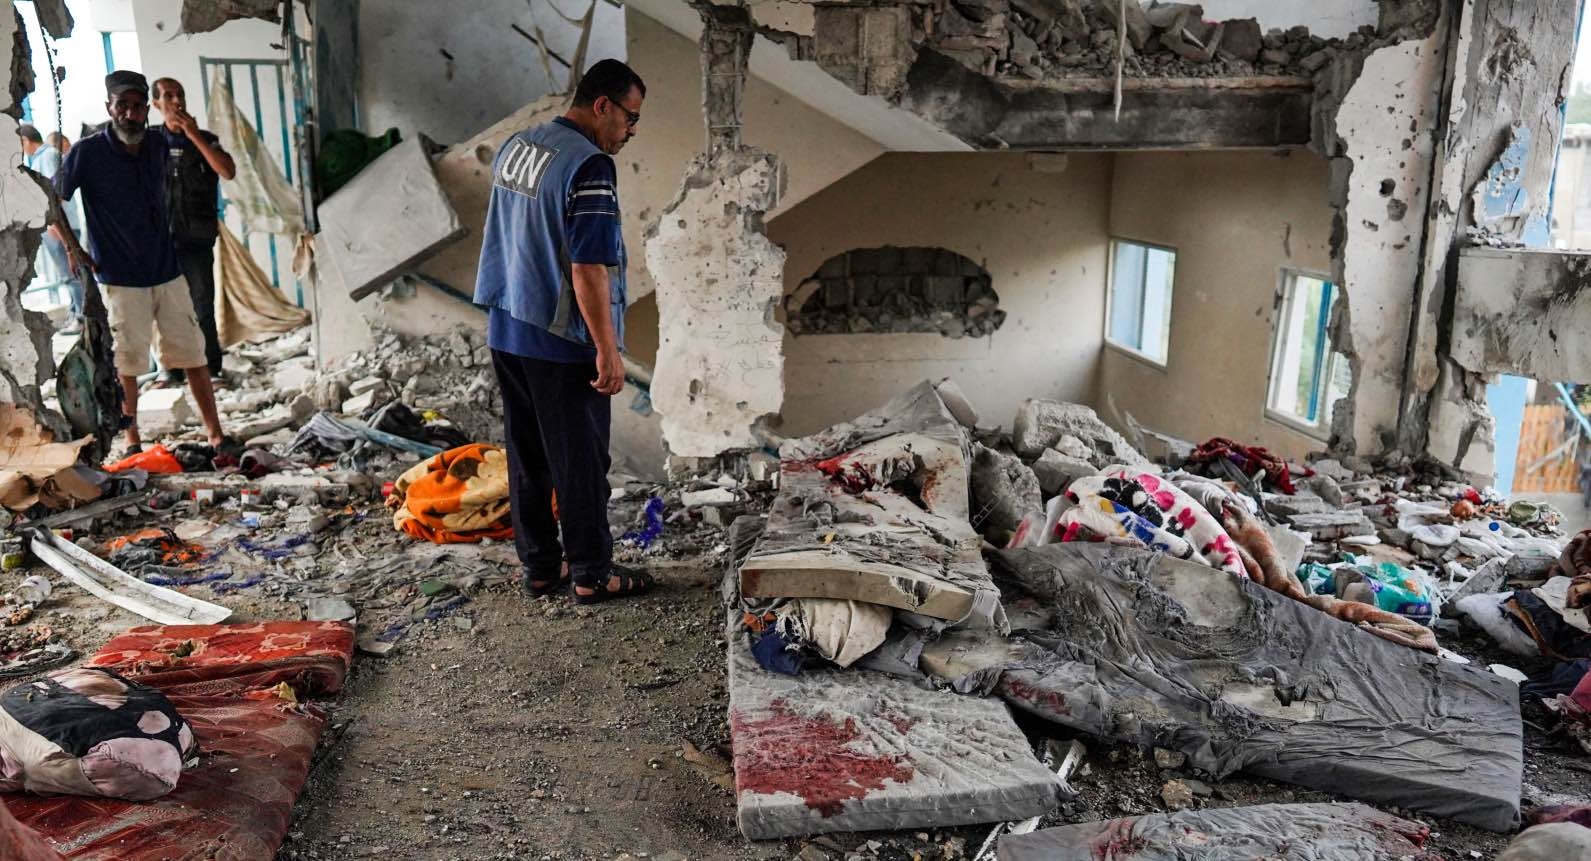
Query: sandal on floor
[631, 582]
[129, 451]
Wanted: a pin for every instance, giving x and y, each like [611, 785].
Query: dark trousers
[556, 427]
[198, 268]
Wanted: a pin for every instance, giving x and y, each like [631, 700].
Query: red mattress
[256, 738]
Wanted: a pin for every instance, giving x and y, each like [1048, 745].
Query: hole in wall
[894, 289]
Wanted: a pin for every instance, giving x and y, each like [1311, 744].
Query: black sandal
[631, 582]
[548, 587]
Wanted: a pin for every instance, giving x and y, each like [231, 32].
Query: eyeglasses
[630, 117]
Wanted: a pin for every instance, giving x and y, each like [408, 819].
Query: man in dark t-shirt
[195, 166]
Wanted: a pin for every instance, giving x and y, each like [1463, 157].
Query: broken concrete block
[416, 220]
[1137, 23]
[1167, 16]
[1316, 61]
[1334, 525]
[854, 750]
[366, 384]
[1340, 832]
[330, 392]
[710, 496]
[1280, 689]
[1176, 795]
[162, 411]
[301, 410]
[293, 376]
[1041, 424]
[274, 419]
[1056, 471]
[956, 402]
[1004, 490]
[1242, 39]
[361, 404]
[1294, 505]
[329, 610]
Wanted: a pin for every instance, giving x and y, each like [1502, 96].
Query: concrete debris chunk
[1056, 471]
[1284, 832]
[956, 402]
[1041, 424]
[163, 411]
[1139, 30]
[1333, 525]
[1242, 39]
[1004, 490]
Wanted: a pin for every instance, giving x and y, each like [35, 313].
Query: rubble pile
[1220, 554]
[1043, 39]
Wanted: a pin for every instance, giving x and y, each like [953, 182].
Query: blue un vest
[524, 267]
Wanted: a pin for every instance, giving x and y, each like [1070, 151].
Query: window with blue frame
[1138, 307]
[1307, 376]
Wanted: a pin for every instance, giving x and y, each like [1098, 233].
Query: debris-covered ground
[479, 723]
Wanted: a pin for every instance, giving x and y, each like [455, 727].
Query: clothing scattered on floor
[90, 731]
[459, 496]
[1249, 459]
[838, 630]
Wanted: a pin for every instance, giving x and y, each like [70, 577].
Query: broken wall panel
[1159, 652]
[1523, 312]
[389, 217]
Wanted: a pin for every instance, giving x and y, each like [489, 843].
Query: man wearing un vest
[552, 279]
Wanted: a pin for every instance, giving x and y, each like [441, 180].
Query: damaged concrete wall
[1236, 221]
[1332, 19]
[25, 360]
[1382, 140]
[1510, 81]
[1042, 236]
[164, 52]
[426, 68]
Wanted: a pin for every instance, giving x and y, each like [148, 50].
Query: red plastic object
[157, 460]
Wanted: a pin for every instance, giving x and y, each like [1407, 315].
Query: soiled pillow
[89, 731]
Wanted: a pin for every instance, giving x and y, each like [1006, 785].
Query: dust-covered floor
[519, 728]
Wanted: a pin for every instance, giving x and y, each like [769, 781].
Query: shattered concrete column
[1377, 119]
[720, 361]
[25, 359]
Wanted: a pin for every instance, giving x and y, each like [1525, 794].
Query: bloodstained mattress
[244, 689]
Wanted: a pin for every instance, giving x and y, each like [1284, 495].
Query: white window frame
[1110, 299]
[1287, 277]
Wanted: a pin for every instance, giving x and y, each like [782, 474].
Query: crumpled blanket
[1263, 565]
[1143, 508]
[1248, 459]
[1575, 563]
[458, 497]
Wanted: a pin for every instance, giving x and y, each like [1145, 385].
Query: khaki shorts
[163, 313]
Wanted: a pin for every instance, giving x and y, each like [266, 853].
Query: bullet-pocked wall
[1237, 221]
[1038, 229]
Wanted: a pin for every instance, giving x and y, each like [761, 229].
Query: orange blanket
[460, 496]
